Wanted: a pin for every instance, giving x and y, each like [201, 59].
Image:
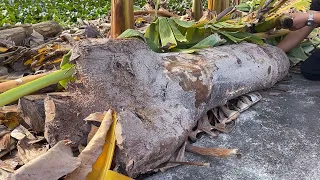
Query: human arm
[294, 38]
[301, 30]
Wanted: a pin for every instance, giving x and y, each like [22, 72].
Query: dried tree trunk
[48, 29]
[19, 34]
[159, 97]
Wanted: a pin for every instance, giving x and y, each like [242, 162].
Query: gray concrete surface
[279, 139]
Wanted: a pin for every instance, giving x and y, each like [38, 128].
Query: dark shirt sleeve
[315, 5]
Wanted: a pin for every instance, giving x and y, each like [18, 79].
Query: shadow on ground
[279, 138]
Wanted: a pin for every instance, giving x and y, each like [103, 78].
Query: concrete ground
[279, 139]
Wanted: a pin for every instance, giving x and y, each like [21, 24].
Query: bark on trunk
[62, 120]
[159, 97]
[19, 34]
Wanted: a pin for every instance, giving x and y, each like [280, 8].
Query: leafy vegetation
[174, 34]
[66, 12]
[63, 11]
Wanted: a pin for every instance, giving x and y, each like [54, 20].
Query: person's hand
[299, 20]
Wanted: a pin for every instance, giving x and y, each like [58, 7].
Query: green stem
[156, 8]
[197, 9]
[33, 86]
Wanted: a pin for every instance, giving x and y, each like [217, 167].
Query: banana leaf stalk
[33, 86]
[211, 5]
[268, 35]
[197, 10]
[283, 21]
[122, 17]
[220, 5]
[5, 86]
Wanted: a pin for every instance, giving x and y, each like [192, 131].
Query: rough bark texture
[62, 121]
[19, 34]
[159, 97]
[48, 29]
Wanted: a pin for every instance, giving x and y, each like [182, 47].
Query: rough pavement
[279, 139]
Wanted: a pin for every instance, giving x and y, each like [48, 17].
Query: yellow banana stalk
[268, 35]
[211, 5]
[101, 168]
[275, 21]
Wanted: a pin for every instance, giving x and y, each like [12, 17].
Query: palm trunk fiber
[160, 97]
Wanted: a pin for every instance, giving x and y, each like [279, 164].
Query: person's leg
[310, 68]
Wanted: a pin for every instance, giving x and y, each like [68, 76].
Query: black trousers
[310, 68]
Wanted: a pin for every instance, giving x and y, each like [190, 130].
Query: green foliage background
[66, 12]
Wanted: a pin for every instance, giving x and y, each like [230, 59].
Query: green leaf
[185, 24]
[190, 33]
[212, 40]
[247, 37]
[152, 35]
[177, 34]
[167, 38]
[195, 35]
[297, 54]
[137, 8]
[232, 38]
[243, 7]
[272, 41]
[308, 49]
[65, 63]
[129, 33]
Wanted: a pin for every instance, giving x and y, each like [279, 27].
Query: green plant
[63, 11]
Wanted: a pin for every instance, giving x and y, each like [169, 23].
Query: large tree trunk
[159, 97]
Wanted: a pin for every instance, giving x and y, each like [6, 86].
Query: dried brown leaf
[13, 159]
[4, 174]
[5, 142]
[6, 166]
[3, 130]
[7, 109]
[9, 117]
[6, 151]
[98, 117]
[54, 164]
[27, 152]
